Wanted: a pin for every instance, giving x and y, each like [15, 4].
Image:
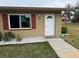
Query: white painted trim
[54, 23]
[19, 21]
[8, 21]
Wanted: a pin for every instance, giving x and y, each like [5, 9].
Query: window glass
[25, 21]
[14, 21]
[49, 17]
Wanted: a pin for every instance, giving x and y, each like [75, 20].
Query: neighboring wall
[39, 31]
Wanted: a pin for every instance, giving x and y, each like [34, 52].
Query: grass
[73, 29]
[33, 50]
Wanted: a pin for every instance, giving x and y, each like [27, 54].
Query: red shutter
[5, 21]
[33, 21]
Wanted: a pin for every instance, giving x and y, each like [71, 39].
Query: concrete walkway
[24, 40]
[63, 49]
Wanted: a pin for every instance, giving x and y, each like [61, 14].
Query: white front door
[49, 24]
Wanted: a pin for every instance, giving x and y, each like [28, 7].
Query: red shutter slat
[5, 21]
[33, 21]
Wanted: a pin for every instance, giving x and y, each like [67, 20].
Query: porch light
[39, 15]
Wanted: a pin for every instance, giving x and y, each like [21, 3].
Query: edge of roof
[13, 9]
[32, 7]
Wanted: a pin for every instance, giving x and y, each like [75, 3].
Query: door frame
[53, 22]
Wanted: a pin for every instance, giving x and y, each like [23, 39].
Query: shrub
[18, 37]
[62, 20]
[11, 35]
[73, 21]
[0, 36]
[8, 36]
[64, 30]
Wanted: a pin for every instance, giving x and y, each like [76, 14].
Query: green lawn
[74, 30]
[33, 50]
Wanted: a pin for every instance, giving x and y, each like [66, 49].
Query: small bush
[64, 30]
[62, 20]
[18, 37]
[73, 21]
[0, 36]
[8, 36]
[11, 35]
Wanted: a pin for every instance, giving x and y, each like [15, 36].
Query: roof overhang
[30, 10]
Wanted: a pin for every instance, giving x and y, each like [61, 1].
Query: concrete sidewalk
[63, 49]
[24, 40]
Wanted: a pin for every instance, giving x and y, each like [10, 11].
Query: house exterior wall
[39, 31]
[1, 23]
[58, 25]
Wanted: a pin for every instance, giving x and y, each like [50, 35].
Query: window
[14, 21]
[49, 17]
[19, 21]
[25, 21]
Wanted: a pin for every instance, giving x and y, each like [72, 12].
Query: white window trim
[19, 21]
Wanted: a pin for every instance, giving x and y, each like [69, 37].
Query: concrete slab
[63, 49]
[24, 40]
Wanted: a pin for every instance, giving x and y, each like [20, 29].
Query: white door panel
[49, 24]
